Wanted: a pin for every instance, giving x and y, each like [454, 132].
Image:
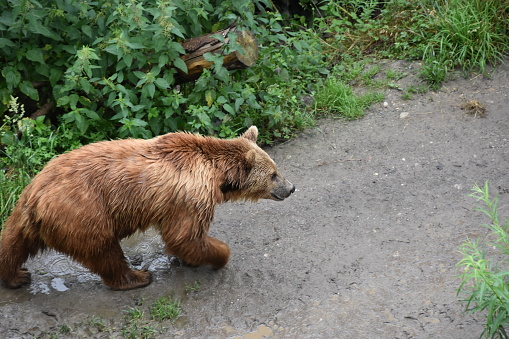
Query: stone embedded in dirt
[404, 115]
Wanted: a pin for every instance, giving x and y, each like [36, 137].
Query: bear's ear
[251, 134]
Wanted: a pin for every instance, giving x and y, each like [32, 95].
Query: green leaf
[29, 90]
[11, 76]
[63, 101]
[55, 75]
[113, 49]
[73, 100]
[81, 122]
[238, 103]
[6, 43]
[37, 28]
[254, 78]
[87, 30]
[177, 47]
[180, 64]
[209, 98]
[151, 89]
[91, 114]
[134, 45]
[204, 118]
[162, 83]
[139, 122]
[229, 108]
[128, 59]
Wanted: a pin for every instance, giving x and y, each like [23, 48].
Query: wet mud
[366, 247]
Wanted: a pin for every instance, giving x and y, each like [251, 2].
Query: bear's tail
[19, 240]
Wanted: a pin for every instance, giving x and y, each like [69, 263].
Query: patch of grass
[11, 185]
[64, 329]
[134, 313]
[135, 326]
[407, 96]
[435, 73]
[195, 287]
[394, 75]
[418, 89]
[470, 34]
[165, 308]
[97, 323]
[334, 96]
[136, 330]
[484, 287]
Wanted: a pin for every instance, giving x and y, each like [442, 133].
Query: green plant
[194, 287]
[435, 73]
[135, 327]
[334, 96]
[484, 281]
[11, 185]
[30, 143]
[471, 33]
[97, 323]
[135, 330]
[165, 308]
[108, 67]
[64, 329]
[407, 96]
[134, 313]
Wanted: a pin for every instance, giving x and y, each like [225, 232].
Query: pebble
[404, 115]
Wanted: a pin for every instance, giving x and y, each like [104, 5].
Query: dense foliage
[108, 66]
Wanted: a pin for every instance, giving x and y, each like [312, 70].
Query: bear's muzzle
[283, 191]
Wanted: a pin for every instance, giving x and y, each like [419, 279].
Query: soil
[367, 247]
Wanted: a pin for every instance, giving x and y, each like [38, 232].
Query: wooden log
[196, 47]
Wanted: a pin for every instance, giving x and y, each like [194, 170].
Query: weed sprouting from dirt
[195, 287]
[165, 308]
[484, 280]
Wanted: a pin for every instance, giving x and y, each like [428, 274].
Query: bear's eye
[274, 177]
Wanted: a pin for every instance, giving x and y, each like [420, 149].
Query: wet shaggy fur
[84, 202]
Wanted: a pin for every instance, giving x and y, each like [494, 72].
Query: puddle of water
[59, 284]
[50, 269]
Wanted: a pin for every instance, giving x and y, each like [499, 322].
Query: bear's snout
[283, 191]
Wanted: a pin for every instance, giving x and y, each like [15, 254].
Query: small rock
[404, 115]
[431, 320]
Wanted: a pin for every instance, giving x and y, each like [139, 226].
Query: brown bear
[84, 202]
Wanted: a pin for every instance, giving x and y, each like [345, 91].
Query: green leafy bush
[109, 67]
[484, 280]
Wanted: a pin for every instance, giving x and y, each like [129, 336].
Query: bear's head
[260, 178]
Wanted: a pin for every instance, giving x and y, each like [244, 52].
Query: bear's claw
[21, 278]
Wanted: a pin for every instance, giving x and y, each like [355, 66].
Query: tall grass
[470, 33]
[11, 186]
[333, 96]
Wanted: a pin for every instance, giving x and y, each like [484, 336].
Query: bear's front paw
[21, 278]
[134, 279]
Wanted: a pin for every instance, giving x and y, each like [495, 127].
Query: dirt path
[366, 248]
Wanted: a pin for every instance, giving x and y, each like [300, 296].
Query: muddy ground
[367, 246]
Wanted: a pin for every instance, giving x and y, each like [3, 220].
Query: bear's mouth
[276, 197]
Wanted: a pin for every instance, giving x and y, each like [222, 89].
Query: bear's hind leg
[110, 264]
[15, 248]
